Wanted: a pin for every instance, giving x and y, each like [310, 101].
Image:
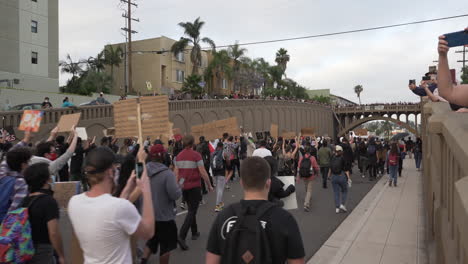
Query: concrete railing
[445, 161]
[377, 108]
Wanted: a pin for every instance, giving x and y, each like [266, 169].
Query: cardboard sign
[290, 202]
[63, 192]
[9, 133]
[274, 131]
[215, 129]
[125, 118]
[31, 120]
[81, 132]
[308, 132]
[154, 116]
[109, 132]
[288, 135]
[67, 122]
[361, 132]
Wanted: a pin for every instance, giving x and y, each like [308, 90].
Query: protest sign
[274, 131]
[63, 192]
[31, 120]
[215, 129]
[290, 202]
[125, 118]
[308, 132]
[288, 135]
[155, 116]
[81, 132]
[67, 122]
[361, 132]
[9, 133]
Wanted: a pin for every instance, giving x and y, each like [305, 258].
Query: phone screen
[139, 169]
[456, 39]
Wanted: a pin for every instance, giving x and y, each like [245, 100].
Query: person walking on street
[218, 167]
[372, 158]
[165, 192]
[393, 159]
[104, 224]
[324, 157]
[189, 169]
[340, 178]
[277, 230]
[307, 168]
[418, 153]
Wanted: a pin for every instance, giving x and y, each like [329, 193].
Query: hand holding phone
[139, 169]
[456, 39]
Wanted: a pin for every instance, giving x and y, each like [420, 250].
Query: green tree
[192, 31]
[72, 67]
[282, 59]
[358, 90]
[95, 81]
[97, 63]
[322, 99]
[464, 75]
[219, 67]
[192, 85]
[112, 58]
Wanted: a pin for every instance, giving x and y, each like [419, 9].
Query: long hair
[394, 149]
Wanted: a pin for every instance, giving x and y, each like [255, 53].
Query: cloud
[382, 61]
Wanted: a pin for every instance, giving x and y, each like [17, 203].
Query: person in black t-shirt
[46, 104]
[43, 215]
[283, 233]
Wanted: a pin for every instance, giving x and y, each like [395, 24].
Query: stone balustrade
[445, 182]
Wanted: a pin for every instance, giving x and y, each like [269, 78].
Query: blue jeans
[340, 185]
[417, 159]
[393, 174]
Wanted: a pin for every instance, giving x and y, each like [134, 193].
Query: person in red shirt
[189, 169]
[307, 172]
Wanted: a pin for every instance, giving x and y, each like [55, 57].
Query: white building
[29, 44]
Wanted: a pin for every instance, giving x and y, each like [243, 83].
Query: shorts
[228, 165]
[165, 238]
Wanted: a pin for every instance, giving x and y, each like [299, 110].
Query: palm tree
[282, 59]
[358, 90]
[95, 63]
[71, 67]
[237, 54]
[219, 67]
[113, 57]
[192, 30]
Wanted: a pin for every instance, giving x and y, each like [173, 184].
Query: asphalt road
[316, 226]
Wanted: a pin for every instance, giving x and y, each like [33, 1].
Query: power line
[318, 35]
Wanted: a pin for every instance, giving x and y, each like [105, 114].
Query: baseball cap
[338, 148]
[156, 149]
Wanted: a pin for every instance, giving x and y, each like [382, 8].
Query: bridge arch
[361, 121]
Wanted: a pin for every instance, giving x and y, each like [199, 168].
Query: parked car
[93, 102]
[31, 106]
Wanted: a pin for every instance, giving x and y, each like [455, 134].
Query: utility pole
[128, 52]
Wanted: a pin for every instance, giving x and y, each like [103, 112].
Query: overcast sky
[382, 61]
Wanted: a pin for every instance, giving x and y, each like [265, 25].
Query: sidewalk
[386, 227]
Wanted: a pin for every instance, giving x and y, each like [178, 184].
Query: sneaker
[337, 210]
[306, 208]
[219, 208]
[390, 183]
[395, 184]
[363, 176]
[202, 202]
[343, 208]
[182, 244]
[195, 236]
[227, 187]
[182, 205]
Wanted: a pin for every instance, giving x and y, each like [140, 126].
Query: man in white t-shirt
[262, 152]
[103, 223]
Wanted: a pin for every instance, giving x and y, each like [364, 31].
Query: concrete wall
[253, 115]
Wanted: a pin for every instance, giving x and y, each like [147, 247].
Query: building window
[34, 57]
[180, 57]
[225, 84]
[33, 26]
[180, 76]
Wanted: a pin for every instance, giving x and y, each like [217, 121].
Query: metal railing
[445, 159]
[378, 108]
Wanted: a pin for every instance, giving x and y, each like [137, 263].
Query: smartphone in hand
[139, 169]
[456, 39]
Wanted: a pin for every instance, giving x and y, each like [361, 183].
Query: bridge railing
[445, 183]
[377, 108]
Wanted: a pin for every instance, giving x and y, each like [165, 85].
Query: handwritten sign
[274, 131]
[8, 133]
[308, 132]
[154, 115]
[31, 120]
[63, 192]
[67, 122]
[125, 118]
[215, 129]
[288, 135]
[290, 202]
[81, 132]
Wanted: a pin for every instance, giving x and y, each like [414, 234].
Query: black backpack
[304, 170]
[217, 161]
[248, 242]
[337, 165]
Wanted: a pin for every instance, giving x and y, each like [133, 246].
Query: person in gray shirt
[165, 191]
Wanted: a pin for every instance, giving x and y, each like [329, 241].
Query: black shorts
[228, 165]
[165, 238]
